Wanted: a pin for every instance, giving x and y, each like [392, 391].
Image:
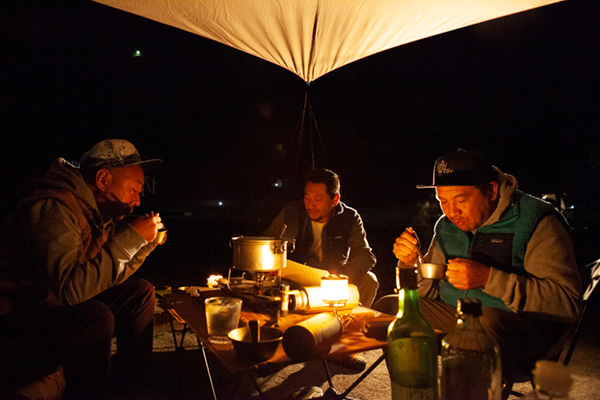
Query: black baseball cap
[461, 168]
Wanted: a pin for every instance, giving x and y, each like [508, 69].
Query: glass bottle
[552, 381]
[412, 346]
[471, 366]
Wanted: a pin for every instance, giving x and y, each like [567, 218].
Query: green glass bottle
[412, 346]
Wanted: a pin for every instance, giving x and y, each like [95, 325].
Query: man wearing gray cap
[71, 259]
[510, 250]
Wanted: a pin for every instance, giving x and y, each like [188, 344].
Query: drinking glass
[222, 316]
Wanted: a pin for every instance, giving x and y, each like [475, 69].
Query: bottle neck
[408, 297]
[408, 302]
[469, 322]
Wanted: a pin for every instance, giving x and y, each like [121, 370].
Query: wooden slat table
[191, 309]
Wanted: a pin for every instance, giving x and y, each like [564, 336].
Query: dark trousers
[521, 340]
[79, 337]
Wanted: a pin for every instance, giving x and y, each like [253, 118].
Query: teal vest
[501, 245]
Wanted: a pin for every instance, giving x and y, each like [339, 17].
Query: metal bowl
[433, 271]
[255, 352]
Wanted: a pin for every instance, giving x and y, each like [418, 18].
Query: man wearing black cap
[68, 285]
[507, 248]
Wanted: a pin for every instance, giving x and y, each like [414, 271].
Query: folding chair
[594, 277]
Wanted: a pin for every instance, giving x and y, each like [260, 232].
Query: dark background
[523, 88]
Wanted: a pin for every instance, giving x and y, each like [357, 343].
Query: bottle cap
[470, 306]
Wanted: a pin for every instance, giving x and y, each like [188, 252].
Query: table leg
[327, 372]
[237, 391]
[256, 386]
[365, 374]
[331, 393]
[212, 386]
[239, 386]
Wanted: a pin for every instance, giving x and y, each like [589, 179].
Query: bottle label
[413, 368]
[409, 393]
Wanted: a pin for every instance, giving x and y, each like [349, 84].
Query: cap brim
[150, 165]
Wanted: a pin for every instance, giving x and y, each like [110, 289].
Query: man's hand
[405, 247]
[148, 226]
[467, 274]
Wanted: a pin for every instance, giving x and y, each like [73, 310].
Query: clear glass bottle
[552, 381]
[471, 366]
[412, 346]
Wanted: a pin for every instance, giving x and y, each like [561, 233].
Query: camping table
[191, 310]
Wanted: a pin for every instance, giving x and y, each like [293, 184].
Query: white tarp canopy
[313, 37]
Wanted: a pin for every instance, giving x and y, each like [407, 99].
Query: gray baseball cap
[116, 153]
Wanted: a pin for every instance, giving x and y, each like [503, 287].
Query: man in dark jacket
[329, 235]
[68, 286]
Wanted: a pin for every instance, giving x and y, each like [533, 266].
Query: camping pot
[259, 253]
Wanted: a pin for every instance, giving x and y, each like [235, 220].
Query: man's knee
[367, 288]
[147, 292]
[387, 304]
[140, 288]
[147, 295]
[500, 324]
[137, 296]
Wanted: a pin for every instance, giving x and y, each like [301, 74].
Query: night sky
[524, 88]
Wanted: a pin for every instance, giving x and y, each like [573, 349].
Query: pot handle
[293, 246]
[236, 237]
[282, 246]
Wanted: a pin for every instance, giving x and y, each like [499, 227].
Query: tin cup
[161, 236]
[433, 271]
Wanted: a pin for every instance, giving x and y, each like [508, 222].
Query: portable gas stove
[264, 285]
[260, 260]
